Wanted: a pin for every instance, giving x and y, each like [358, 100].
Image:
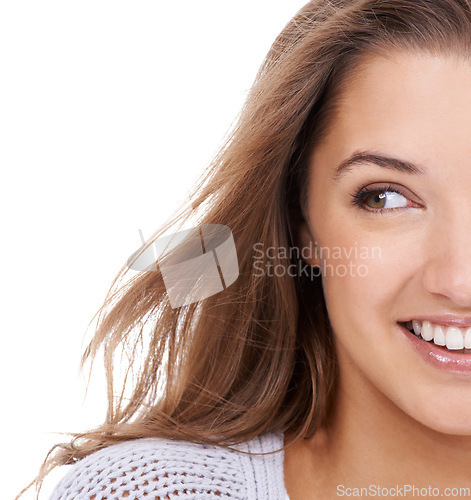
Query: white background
[109, 111]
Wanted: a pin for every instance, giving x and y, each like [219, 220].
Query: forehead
[405, 101]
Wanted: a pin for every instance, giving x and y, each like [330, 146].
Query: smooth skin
[398, 419]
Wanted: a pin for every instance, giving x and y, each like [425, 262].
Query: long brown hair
[260, 355]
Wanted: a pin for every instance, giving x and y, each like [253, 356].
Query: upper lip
[442, 319]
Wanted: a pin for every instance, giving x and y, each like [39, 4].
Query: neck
[371, 441]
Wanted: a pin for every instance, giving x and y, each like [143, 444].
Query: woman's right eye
[385, 199]
[379, 198]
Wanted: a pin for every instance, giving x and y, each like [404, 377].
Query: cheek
[365, 275]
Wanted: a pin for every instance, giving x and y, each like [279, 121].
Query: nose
[448, 260]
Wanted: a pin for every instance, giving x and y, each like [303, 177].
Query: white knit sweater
[160, 469]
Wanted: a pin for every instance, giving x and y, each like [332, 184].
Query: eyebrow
[379, 159]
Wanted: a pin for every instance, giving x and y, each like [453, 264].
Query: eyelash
[361, 193]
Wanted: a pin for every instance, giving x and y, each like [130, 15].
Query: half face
[389, 207]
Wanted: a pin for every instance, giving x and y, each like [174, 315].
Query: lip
[436, 356]
[444, 319]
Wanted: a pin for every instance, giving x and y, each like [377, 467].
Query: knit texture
[161, 469]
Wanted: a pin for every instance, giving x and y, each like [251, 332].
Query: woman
[338, 362]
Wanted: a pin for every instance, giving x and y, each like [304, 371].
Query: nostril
[450, 280]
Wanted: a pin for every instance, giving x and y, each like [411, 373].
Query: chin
[446, 418]
[452, 428]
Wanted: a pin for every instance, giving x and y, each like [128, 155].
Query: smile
[451, 337]
[446, 347]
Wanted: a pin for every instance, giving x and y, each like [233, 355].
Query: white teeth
[454, 338]
[427, 331]
[467, 339]
[417, 327]
[439, 335]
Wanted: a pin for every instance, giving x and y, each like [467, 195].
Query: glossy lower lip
[456, 362]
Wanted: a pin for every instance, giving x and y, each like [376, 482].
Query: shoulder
[158, 467]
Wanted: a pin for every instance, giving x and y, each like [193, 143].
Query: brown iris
[376, 199]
